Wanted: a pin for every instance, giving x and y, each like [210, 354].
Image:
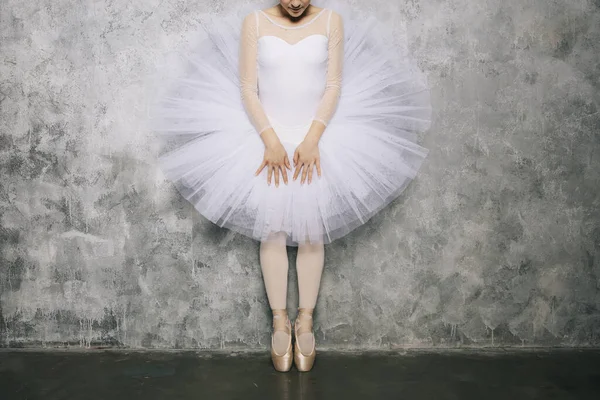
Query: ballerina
[294, 127]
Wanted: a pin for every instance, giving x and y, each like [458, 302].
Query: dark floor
[116, 375]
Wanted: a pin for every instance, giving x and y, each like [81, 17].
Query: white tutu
[368, 151]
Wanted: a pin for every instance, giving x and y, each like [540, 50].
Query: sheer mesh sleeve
[333, 88]
[248, 74]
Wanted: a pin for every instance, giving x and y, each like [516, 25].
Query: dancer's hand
[277, 160]
[306, 157]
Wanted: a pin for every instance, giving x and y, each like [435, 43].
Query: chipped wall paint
[496, 243]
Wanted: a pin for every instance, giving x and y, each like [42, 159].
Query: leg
[274, 266]
[309, 266]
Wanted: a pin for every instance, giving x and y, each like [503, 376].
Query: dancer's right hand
[276, 159]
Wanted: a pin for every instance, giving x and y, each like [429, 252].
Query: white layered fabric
[257, 72]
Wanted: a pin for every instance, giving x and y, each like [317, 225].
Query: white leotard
[291, 73]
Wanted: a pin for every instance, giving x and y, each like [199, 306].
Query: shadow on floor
[116, 375]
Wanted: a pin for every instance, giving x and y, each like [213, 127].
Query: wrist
[270, 138]
[312, 138]
[315, 132]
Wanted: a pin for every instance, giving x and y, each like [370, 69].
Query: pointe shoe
[281, 362]
[304, 359]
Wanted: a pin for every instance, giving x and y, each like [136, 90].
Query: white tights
[274, 266]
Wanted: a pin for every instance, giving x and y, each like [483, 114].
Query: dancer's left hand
[306, 157]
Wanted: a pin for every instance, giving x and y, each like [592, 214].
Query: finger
[304, 171]
[270, 175]
[298, 169]
[277, 167]
[319, 167]
[296, 154]
[287, 163]
[310, 172]
[284, 173]
[261, 167]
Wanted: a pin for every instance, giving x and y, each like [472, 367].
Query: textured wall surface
[497, 241]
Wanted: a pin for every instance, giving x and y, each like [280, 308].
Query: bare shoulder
[249, 19]
[270, 10]
[336, 18]
[250, 15]
[335, 15]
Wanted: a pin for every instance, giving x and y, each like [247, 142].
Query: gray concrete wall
[495, 243]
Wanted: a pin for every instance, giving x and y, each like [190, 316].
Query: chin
[296, 13]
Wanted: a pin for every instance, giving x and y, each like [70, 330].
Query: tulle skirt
[368, 152]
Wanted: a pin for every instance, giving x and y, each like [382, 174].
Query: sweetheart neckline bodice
[293, 44]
